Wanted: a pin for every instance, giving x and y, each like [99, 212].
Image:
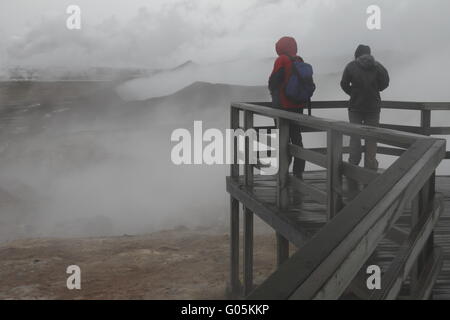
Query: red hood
[286, 45]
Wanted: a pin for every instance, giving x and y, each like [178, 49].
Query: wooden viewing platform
[400, 220]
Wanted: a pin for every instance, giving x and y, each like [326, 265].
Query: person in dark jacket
[286, 49]
[363, 80]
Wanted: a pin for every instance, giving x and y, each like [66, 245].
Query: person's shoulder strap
[296, 59]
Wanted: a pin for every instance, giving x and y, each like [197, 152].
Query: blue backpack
[300, 86]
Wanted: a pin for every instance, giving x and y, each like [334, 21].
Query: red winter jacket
[286, 47]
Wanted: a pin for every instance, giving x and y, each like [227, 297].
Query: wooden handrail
[399, 105]
[391, 137]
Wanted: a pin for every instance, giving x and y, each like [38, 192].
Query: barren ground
[176, 264]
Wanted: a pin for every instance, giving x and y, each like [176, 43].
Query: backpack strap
[294, 68]
[300, 77]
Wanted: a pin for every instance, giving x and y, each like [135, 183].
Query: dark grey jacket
[363, 80]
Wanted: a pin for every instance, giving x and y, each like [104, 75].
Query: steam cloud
[111, 173]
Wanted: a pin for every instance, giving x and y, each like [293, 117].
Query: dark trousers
[369, 119]
[295, 136]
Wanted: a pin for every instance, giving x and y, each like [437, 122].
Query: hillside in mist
[247, 72]
[88, 163]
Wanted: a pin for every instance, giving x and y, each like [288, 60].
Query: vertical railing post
[283, 165]
[234, 124]
[421, 207]
[282, 185]
[235, 285]
[425, 122]
[334, 173]
[282, 249]
[429, 248]
[248, 251]
[248, 215]
[249, 145]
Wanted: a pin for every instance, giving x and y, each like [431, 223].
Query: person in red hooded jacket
[286, 49]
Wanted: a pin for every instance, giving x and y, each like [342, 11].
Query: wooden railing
[424, 128]
[328, 264]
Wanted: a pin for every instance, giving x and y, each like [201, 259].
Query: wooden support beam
[425, 122]
[248, 251]
[282, 249]
[390, 151]
[264, 140]
[282, 183]
[419, 211]
[439, 131]
[308, 155]
[397, 235]
[270, 215]
[249, 146]
[380, 150]
[334, 173]
[402, 105]
[268, 128]
[436, 105]
[309, 190]
[235, 285]
[430, 274]
[360, 174]
[412, 129]
[432, 196]
[234, 123]
[283, 165]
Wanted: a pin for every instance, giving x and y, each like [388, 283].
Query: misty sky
[161, 33]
